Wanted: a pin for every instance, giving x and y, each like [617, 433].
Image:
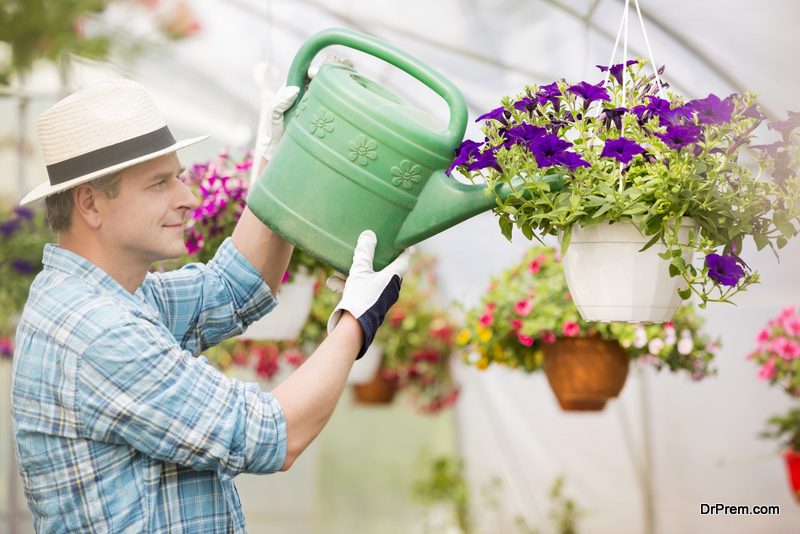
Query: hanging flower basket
[288, 318]
[371, 388]
[611, 279]
[792, 459]
[584, 372]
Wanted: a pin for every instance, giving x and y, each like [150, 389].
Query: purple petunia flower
[22, 266]
[485, 160]
[660, 108]
[571, 160]
[724, 270]
[10, 226]
[590, 93]
[497, 114]
[23, 213]
[527, 104]
[463, 153]
[678, 136]
[711, 110]
[547, 148]
[613, 115]
[786, 127]
[621, 149]
[523, 134]
[616, 70]
[772, 148]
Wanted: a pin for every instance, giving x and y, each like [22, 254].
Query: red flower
[525, 340]
[547, 336]
[570, 328]
[523, 307]
[487, 318]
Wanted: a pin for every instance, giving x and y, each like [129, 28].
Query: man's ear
[86, 206]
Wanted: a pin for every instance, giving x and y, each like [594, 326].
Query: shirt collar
[73, 264]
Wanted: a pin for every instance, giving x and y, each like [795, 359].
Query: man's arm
[310, 394]
[264, 249]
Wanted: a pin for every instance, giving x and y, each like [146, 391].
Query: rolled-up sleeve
[204, 304]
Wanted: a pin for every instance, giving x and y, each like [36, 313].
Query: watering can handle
[364, 43]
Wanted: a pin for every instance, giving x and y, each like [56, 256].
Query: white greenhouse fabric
[703, 436]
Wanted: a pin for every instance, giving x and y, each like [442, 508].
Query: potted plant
[663, 171]
[23, 235]
[778, 351]
[527, 320]
[222, 185]
[778, 355]
[787, 429]
[416, 339]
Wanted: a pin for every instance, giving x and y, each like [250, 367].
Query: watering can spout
[445, 202]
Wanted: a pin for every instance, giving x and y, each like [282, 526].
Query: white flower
[686, 343]
[655, 345]
[639, 337]
[669, 335]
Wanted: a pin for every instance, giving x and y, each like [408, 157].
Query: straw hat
[98, 131]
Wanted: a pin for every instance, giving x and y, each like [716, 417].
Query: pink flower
[547, 336]
[286, 276]
[768, 370]
[490, 306]
[194, 242]
[523, 307]
[570, 328]
[655, 345]
[525, 340]
[536, 265]
[785, 348]
[487, 318]
[516, 324]
[792, 325]
[763, 335]
[6, 347]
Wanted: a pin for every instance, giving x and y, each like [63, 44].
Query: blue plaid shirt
[118, 426]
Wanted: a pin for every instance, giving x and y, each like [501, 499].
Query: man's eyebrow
[165, 175]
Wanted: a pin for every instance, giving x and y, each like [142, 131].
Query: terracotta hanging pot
[369, 385]
[377, 391]
[584, 372]
[792, 459]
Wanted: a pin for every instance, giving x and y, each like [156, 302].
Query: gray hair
[60, 205]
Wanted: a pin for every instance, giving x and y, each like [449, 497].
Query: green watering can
[354, 156]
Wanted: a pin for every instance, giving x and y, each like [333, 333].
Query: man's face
[144, 222]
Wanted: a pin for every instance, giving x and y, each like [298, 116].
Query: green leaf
[761, 241]
[677, 266]
[506, 226]
[527, 231]
[685, 293]
[565, 239]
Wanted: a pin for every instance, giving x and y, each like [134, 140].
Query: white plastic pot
[611, 281]
[288, 318]
[365, 368]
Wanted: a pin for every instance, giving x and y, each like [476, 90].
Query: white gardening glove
[330, 58]
[336, 282]
[270, 123]
[369, 295]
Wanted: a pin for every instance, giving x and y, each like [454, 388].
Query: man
[118, 426]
